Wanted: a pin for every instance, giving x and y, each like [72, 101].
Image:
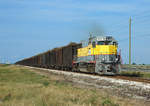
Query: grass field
[131, 72]
[136, 74]
[21, 86]
[137, 66]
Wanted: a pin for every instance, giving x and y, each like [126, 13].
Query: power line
[136, 18]
[135, 37]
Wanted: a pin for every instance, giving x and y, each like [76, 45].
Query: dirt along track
[136, 79]
[129, 78]
[116, 85]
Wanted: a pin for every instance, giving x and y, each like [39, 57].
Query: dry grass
[136, 74]
[22, 87]
[137, 66]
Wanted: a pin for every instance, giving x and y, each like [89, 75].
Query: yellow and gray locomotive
[98, 55]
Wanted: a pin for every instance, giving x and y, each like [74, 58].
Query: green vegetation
[23, 87]
[134, 65]
[136, 74]
[107, 102]
[136, 71]
[4, 65]
[131, 74]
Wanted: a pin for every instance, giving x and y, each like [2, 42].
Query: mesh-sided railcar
[58, 58]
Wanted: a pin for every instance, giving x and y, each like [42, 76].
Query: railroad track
[136, 79]
[129, 78]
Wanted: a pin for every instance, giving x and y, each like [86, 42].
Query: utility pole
[130, 41]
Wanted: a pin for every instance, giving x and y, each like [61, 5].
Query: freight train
[96, 55]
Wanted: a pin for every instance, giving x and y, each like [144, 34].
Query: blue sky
[28, 27]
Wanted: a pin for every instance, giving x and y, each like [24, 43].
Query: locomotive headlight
[103, 58]
[116, 59]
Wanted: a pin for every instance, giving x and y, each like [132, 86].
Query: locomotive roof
[103, 38]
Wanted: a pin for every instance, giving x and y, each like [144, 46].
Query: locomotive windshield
[103, 42]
